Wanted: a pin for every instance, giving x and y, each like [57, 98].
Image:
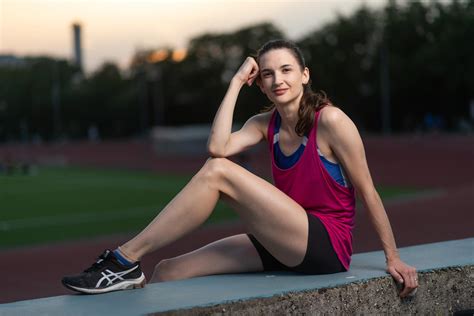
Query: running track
[440, 163]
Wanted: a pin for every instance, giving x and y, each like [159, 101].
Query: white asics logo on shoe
[112, 276]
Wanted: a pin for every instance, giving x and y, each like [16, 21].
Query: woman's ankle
[127, 254]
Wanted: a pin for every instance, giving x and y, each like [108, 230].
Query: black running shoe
[106, 275]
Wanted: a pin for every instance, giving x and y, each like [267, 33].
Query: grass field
[56, 204]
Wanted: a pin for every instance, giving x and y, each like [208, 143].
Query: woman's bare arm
[346, 143]
[223, 143]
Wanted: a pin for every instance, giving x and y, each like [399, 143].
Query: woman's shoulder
[331, 116]
[263, 119]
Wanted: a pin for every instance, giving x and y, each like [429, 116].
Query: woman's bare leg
[277, 221]
[232, 254]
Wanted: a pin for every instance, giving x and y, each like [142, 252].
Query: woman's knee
[215, 169]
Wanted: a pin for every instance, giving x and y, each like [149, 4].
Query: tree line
[403, 68]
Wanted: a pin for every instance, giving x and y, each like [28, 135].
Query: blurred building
[11, 61]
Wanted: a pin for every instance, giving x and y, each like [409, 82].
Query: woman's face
[281, 77]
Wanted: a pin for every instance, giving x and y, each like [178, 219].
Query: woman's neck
[289, 115]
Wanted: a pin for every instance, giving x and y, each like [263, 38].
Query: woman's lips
[279, 91]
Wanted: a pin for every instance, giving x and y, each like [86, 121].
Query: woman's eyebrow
[282, 66]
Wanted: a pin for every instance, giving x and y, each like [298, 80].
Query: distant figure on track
[303, 223]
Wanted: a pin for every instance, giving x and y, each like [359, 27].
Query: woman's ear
[306, 76]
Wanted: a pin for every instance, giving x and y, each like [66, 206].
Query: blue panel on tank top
[334, 170]
[285, 162]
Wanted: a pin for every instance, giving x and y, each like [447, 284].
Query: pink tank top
[310, 185]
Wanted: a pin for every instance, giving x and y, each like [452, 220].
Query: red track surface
[441, 163]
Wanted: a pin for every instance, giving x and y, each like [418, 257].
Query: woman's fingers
[253, 71]
[406, 275]
[252, 77]
[411, 282]
[397, 276]
[249, 71]
[408, 289]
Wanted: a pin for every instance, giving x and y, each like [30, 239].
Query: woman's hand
[247, 72]
[403, 274]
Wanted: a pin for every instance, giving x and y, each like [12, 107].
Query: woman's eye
[266, 75]
[285, 70]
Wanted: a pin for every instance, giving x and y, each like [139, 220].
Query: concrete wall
[441, 292]
[445, 272]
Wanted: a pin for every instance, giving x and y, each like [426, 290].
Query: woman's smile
[280, 91]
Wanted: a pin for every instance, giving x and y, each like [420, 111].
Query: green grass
[57, 204]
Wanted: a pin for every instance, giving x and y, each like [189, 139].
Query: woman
[303, 223]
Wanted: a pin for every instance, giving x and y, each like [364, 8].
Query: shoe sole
[124, 285]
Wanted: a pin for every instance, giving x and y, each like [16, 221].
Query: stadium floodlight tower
[76, 27]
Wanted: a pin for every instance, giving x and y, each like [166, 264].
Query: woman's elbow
[215, 153]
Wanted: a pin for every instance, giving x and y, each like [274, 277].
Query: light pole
[379, 40]
[385, 86]
[56, 100]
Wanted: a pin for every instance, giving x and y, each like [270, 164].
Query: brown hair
[311, 101]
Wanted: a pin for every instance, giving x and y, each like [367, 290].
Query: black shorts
[320, 257]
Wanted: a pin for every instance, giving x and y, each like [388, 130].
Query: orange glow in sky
[158, 56]
[112, 30]
[179, 55]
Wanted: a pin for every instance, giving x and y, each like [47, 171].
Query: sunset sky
[114, 29]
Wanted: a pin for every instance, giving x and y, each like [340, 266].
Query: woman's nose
[277, 80]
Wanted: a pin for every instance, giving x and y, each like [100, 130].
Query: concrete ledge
[442, 292]
[446, 285]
